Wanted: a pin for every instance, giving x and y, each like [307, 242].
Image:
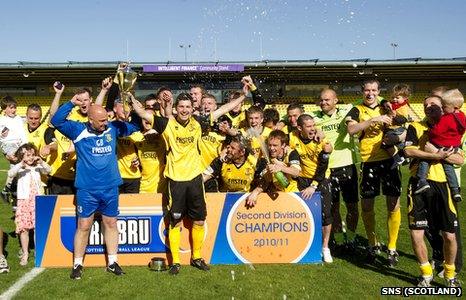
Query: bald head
[328, 101]
[98, 117]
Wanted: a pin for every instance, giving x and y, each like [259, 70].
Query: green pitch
[347, 277]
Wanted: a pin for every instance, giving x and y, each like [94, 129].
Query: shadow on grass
[358, 256]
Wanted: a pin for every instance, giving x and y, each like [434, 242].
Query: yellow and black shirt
[62, 161]
[151, 153]
[36, 136]
[76, 115]
[371, 138]
[313, 159]
[236, 178]
[126, 153]
[182, 142]
[238, 120]
[291, 159]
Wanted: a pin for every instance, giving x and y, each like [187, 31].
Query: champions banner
[284, 230]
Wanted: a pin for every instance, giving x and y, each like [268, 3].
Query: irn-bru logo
[271, 233]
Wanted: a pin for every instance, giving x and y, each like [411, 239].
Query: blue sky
[58, 31]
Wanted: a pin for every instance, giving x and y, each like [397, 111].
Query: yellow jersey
[236, 178]
[238, 121]
[62, 161]
[126, 154]
[36, 137]
[76, 115]
[151, 152]
[370, 139]
[308, 152]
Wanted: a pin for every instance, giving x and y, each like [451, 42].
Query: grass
[347, 277]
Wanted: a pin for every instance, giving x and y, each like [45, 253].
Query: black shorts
[326, 197]
[58, 186]
[432, 208]
[344, 180]
[130, 186]
[187, 198]
[378, 173]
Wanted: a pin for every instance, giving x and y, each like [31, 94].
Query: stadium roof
[27, 73]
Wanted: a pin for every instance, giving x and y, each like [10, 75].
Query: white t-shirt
[16, 134]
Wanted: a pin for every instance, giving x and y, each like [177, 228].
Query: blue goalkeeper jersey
[96, 166]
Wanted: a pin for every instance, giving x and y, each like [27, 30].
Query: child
[27, 172]
[398, 109]
[447, 132]
[12, 134]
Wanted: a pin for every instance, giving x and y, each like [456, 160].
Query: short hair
[83, 90]
[183, 97]
[453, 97]
[295, 105]
[8, 101]
[200, 86]
[208, 95]
[244, 143]
[271, 115]
[20, 153]
[232, 95]
[161, 90]
[439, 90]
[150, 97]
[254, 110]
[34, 106]
[302, 118]
[401, 90]
[370, 81]
[278, 134]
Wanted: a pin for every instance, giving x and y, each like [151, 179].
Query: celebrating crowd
[187, 146]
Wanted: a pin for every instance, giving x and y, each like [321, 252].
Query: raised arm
[56, 100]
[106, 84]
[69, 128]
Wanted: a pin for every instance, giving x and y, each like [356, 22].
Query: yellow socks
[174, 237]
[393, 222]
[426, 269]
[368, 217]
[198, 239]
[449, 271]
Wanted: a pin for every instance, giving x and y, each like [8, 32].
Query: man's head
[8, 105]
[433, 108]
[119, 110]
[150, 102]
[33, 116]
[208, 103]
[84, 97]
[306, 126]
[196, 91]
[271, 117]
[97, 116]
[370, 91]
[293, 112]
[328, 101]
[184, 107]
[255, 116]
[452, 101]
[277, 142]
[235, 95]
[400, 93]
[237, 149]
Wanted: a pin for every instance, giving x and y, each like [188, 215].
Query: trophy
[126, 80]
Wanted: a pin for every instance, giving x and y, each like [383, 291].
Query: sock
[78, 261]
[174, 237]
[393, 222]
[426, 269]
[198, 239]
[112, 259]
[350, 236]
[368, 218]
[338, 237]
[449, 271]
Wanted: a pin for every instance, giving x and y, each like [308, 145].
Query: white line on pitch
[15, 288]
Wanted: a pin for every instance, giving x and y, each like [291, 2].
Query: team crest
[108, 137]
[248, 171]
